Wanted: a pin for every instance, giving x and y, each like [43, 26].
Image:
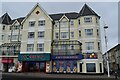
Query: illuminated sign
[80, 56]
[34, 57]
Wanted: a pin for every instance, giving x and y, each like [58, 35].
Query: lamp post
[105, 27]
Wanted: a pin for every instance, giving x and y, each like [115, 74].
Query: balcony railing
[65, 52]
[10, 52]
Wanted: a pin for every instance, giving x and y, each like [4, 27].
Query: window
[71, 23]
[41, 34]
[91, 67]
[21, 26]
[72, 47]
[8, 37]
[16, 27]
[56, 24]
[30, 34]
[79, 33]
[64, 35]
[10, 27]
[40, 47]
[98, 45]
[30, 47]
[32, 23]
[89, 32]
[100, 67]
[56, 35]
[63, 24]
[3, 27]
[79, 21]
[14, 37]
[72, 34]
[41, 23]
[87, 19]
[89, 45]
[97, 32]
[2, 37]
[96, 20]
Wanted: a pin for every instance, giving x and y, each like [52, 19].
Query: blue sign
[34, 57]
[67, 57]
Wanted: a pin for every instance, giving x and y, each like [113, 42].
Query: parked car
[12, 69]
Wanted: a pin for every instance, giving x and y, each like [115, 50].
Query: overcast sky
[107, 10]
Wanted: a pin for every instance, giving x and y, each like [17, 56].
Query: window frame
[41, 23]
[88, 19]
[41, 34]
[89, 32]
[89, 45]
[31, 23]
[30, 34]
[40, 48]
[30, 47]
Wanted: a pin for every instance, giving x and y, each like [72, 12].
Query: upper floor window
[63, 24]
[87, 19]
[97, 32]
[14, 37]
[32, 23]
[10, 27]
[41, 23]
[30, 47]
[64, 35]
[89, 45]
[72, 34]
[40, 47]
[89, 32]
[56, 24]
[30, 34]
[41, 34]
[96, 20]
[3, 27]
[71, 23]
[9, 37]
[79, 33]
[79, 21]
[2, 37]
[98, 45]
[16, 27]
[56, 35]
[72, 47]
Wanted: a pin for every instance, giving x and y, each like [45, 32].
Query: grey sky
[107, 10]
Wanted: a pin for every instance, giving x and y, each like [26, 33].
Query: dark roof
[86, 10]
[5, 19]
[18, 19]
[72, 15]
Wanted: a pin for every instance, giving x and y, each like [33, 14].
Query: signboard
[67, 57]
[34, 57]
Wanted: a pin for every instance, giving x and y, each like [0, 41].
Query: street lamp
[105, 27]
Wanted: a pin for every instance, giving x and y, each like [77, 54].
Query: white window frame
[41, 34]
[72, 34]
[64, 35]
[29, 35]
[14, 37]
[40, 47]
[88, 32]
[89, 45]
[87, 19]
[30, 47]
[31, 23]
[41, 23]
[56, 35]
[72, 23]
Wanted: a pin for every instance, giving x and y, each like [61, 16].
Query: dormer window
[87, 19]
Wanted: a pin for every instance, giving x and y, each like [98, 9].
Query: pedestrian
[116, 75]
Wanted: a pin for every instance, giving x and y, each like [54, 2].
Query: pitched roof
[5, 19]
[86, 10]
[72, 15]
[18, 19]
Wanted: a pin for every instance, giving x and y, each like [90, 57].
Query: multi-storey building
[58, 42]
[113, 57]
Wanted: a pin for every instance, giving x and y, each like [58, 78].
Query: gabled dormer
[5, 19]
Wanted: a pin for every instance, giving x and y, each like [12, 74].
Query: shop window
[90, 67]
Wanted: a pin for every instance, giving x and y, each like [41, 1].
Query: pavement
[44, 76]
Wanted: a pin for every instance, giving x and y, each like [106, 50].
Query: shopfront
[34, 62]
[65, 63]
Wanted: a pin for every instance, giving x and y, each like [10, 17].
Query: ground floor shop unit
[34, 62]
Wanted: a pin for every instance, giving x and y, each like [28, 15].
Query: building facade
[113, 57]
[61, 43]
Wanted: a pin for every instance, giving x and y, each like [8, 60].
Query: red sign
[7, 60]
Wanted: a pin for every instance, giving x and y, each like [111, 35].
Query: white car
[12, 69]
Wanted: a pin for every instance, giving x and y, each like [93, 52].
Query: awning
[7, 60]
